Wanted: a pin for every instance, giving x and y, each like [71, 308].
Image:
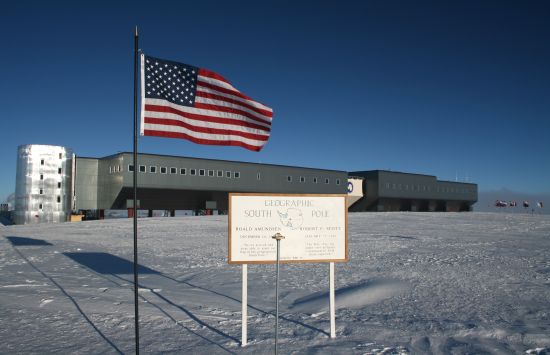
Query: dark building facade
[397, 191]
[182, 183]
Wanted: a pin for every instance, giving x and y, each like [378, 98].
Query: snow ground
[416, 283]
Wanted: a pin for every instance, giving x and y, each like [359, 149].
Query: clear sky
[449, 88]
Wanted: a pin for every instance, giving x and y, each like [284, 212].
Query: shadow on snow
[105, 263]
[24, 241]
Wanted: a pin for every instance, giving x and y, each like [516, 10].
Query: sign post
[278, 238]
[332, 306]
[244, 307]
[314, 228]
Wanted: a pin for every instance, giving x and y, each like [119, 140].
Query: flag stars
[171, 82]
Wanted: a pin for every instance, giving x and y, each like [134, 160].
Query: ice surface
[442, 283]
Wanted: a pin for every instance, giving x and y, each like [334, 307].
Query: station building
[397, 191]
[180, 183]
[53, 183]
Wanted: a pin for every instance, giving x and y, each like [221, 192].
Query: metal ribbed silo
[44, 184]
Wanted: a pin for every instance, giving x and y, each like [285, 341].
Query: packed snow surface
[416, 283]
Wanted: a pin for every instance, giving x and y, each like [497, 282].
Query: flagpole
[136, 285]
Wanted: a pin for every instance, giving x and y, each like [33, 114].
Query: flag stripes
[181, 101]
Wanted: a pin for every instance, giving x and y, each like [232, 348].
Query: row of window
[426, 188]
[42, 190]
[42, 161]
[314, 180]
[183, 171]
[152, 169]
[59, 171]
[40, 206]
[203, 172]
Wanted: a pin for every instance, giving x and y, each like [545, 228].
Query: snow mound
[354, 296]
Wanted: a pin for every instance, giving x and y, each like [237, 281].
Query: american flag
[183, 101]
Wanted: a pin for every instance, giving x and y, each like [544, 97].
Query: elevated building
[52, 183]
[396, 191]
[179, 183]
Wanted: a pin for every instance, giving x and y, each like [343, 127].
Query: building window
[220, 173]
[130, 167]
[153, 169]
[41, 191]
[40, 206]
[201, 172]
[60, 155]
[118, 168]
[163, 170]
[58, 199]
[387, 185]
[236, 174]
[289, 178]
[142, 168]
[315, 180]
[59, 170]
[302, 179]
[258, 176]
[228, 174]
[193, 172]
[183, 171]
[327, 181]
[41, 161]
[41, 177]
[110, 169]
[58, 185]
[393, 186]
[211, 173]
[337, 181]
[173, 171]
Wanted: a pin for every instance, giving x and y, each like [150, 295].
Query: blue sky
[453, 89]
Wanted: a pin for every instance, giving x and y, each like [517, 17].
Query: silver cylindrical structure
[44, 184]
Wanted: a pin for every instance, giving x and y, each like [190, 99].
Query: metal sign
[315, 227]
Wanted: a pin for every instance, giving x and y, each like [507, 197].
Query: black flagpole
[136, 308]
